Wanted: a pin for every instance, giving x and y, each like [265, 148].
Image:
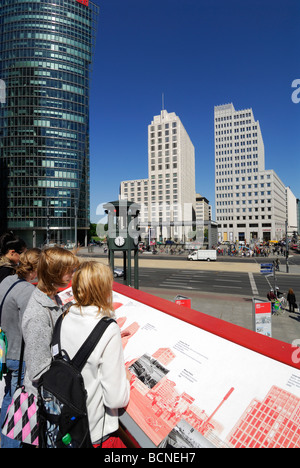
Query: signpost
[267, 269]
[262, 317]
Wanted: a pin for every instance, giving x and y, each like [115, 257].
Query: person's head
[56, 267]
[27, 267]
[291, 291]
[11, 247]
[92, 286]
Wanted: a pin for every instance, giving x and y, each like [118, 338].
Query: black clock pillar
[123, 236]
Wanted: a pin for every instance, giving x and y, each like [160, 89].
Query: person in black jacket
[291, 300]
[11, 248]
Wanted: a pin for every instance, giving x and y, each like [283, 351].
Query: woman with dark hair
[291, 300]
[11, 248]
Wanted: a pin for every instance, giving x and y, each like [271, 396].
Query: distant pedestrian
[291, 300]
[276, 264]
[11, 248]
[271, 296]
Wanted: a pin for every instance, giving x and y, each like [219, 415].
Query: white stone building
[291, 209]
[250, 200]
[169, 203]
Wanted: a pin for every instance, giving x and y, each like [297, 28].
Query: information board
[262, 317]
[198, 381]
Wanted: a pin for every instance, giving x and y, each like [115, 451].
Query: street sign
[183, 301]
[267, 269]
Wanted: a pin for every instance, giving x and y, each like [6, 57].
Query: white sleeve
[116, 387]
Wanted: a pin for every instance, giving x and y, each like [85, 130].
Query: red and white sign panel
[263, 318]
[192, 387]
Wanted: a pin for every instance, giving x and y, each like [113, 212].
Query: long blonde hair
[92, 285]
[28, 262]
[54, 264]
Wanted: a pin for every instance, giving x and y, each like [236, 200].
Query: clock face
[119, 241]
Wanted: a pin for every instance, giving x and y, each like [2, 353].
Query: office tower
[250, 200]
[203, 209]
[46, 53]
[291, 209]
[169, 200]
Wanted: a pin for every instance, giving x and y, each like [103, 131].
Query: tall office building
[250, 200]
[46, 54]
[169, 195]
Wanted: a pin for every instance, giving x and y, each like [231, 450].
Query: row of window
[242, 143]
[36, 52]
[235, 116]
[160, 127]
[37, 104]
[237, 172]
[161, 167]
[78, 49]
[48, 78]
[165, 141]
[243, 187]
[237, 218]
[243, 179]
[30, 45]
[236, 130]
[15, 221]
[63, 98]
[18, 29]
[38, 15]
[242, 164]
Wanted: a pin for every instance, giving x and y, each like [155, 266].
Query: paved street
[222, 289]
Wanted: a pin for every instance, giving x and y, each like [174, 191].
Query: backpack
[62, 411]
[3, 339]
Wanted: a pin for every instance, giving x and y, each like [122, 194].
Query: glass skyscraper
[46, 54]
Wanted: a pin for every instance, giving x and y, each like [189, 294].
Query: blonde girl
[104, 374]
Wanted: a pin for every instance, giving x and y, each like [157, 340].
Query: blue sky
[199, 53]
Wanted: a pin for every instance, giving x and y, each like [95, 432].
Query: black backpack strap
[56, 334]
[90, 343]
[9, 289]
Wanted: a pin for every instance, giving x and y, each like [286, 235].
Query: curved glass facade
[46, 54]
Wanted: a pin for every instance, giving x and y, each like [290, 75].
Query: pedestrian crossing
[220, 282]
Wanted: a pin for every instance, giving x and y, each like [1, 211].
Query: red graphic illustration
[272, 423]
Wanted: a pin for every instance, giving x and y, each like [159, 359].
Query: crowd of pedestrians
[30, 281]
[251, 250]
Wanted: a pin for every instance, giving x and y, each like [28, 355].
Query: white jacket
[104, 373]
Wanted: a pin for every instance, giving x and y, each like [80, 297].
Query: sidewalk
[234, 309]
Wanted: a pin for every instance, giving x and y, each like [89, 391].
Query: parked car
[118, 272]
